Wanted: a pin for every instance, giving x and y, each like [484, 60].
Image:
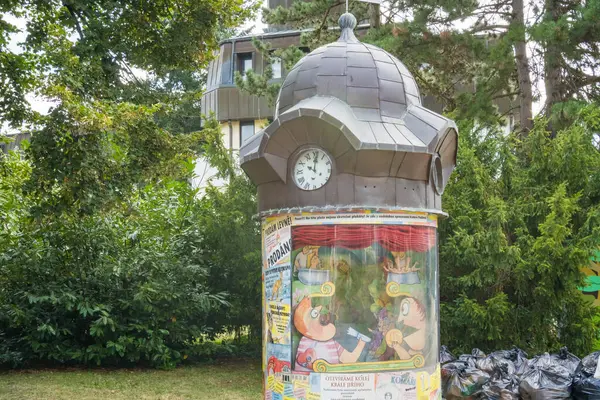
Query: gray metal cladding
[346, 70]
[361, 105]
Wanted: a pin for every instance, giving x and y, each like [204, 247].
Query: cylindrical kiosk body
[350, 176]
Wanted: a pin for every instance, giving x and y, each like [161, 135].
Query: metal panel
[300, 95]
[332, 86]
[381, 134]
[388, 72]
[329, 137]
[412, 193]
[415, 166]
[345, 189]
[273, 147]
[332, 66]
[297, 128]
[364, 60]
[379, 191]
[392, 91]
[346, 163]
[363, 97]
[314, 129]
[337, 51]
[305, 80]
[362, 77]
[425, 131]
[390, 109]
[396, 162]
[374, 162]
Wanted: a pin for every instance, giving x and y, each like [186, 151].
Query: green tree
[103, 247]
[524, 219]
[479, 48]
[523, 207]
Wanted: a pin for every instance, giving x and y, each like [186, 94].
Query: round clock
[312, 169]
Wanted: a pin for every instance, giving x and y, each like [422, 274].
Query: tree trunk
[522, 61]
[552, 69]
[374, 15]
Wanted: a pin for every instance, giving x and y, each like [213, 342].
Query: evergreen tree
[481, 47]
[524, 213]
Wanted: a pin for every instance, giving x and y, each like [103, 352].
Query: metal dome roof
[362, 106]
[375, 84]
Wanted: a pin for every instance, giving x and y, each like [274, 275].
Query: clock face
[312, 169]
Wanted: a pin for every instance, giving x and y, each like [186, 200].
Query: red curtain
[390, 237]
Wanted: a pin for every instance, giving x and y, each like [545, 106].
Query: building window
[276, 66]
[246, 131]
[244, 63]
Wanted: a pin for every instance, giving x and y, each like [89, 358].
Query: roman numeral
[314, 187]
[301, 180]
[328, 163]
[316, 155]
[300, 172]
[306, 185]
[308, 157]
[301, 163]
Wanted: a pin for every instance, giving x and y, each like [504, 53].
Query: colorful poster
[278, 317]
[277, 241]
[277, 275]
[364, 298]
[348, 387]
[277, 270]
[396, 386]
[350, 306]
[366, 217]
[278, 280]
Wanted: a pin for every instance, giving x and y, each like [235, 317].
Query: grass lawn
[231, 380]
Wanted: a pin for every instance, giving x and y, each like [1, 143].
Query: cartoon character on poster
[411, 340]
[317, 341]
[374, 312]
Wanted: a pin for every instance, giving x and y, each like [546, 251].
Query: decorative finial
[347, 23]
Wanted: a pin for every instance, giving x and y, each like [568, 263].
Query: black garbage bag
[546, 380]
[501, 386]
[445, 355]
[567, 360]
[472, 358]
[517, 356]
[588, 364]
[492, 363]
[541, 361]
[449, 368]
[586, 388]
[462, 382]
[477, 353]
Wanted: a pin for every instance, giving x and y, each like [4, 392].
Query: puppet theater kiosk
[350, 175]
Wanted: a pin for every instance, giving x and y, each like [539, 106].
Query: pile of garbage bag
[510, 375]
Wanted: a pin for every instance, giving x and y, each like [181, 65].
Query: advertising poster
[350, 306]
[396, 386]
[348, 387]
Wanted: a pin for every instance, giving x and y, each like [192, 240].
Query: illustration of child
[317, 339]
[412, 338]
[403, 262]
[306, 256]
